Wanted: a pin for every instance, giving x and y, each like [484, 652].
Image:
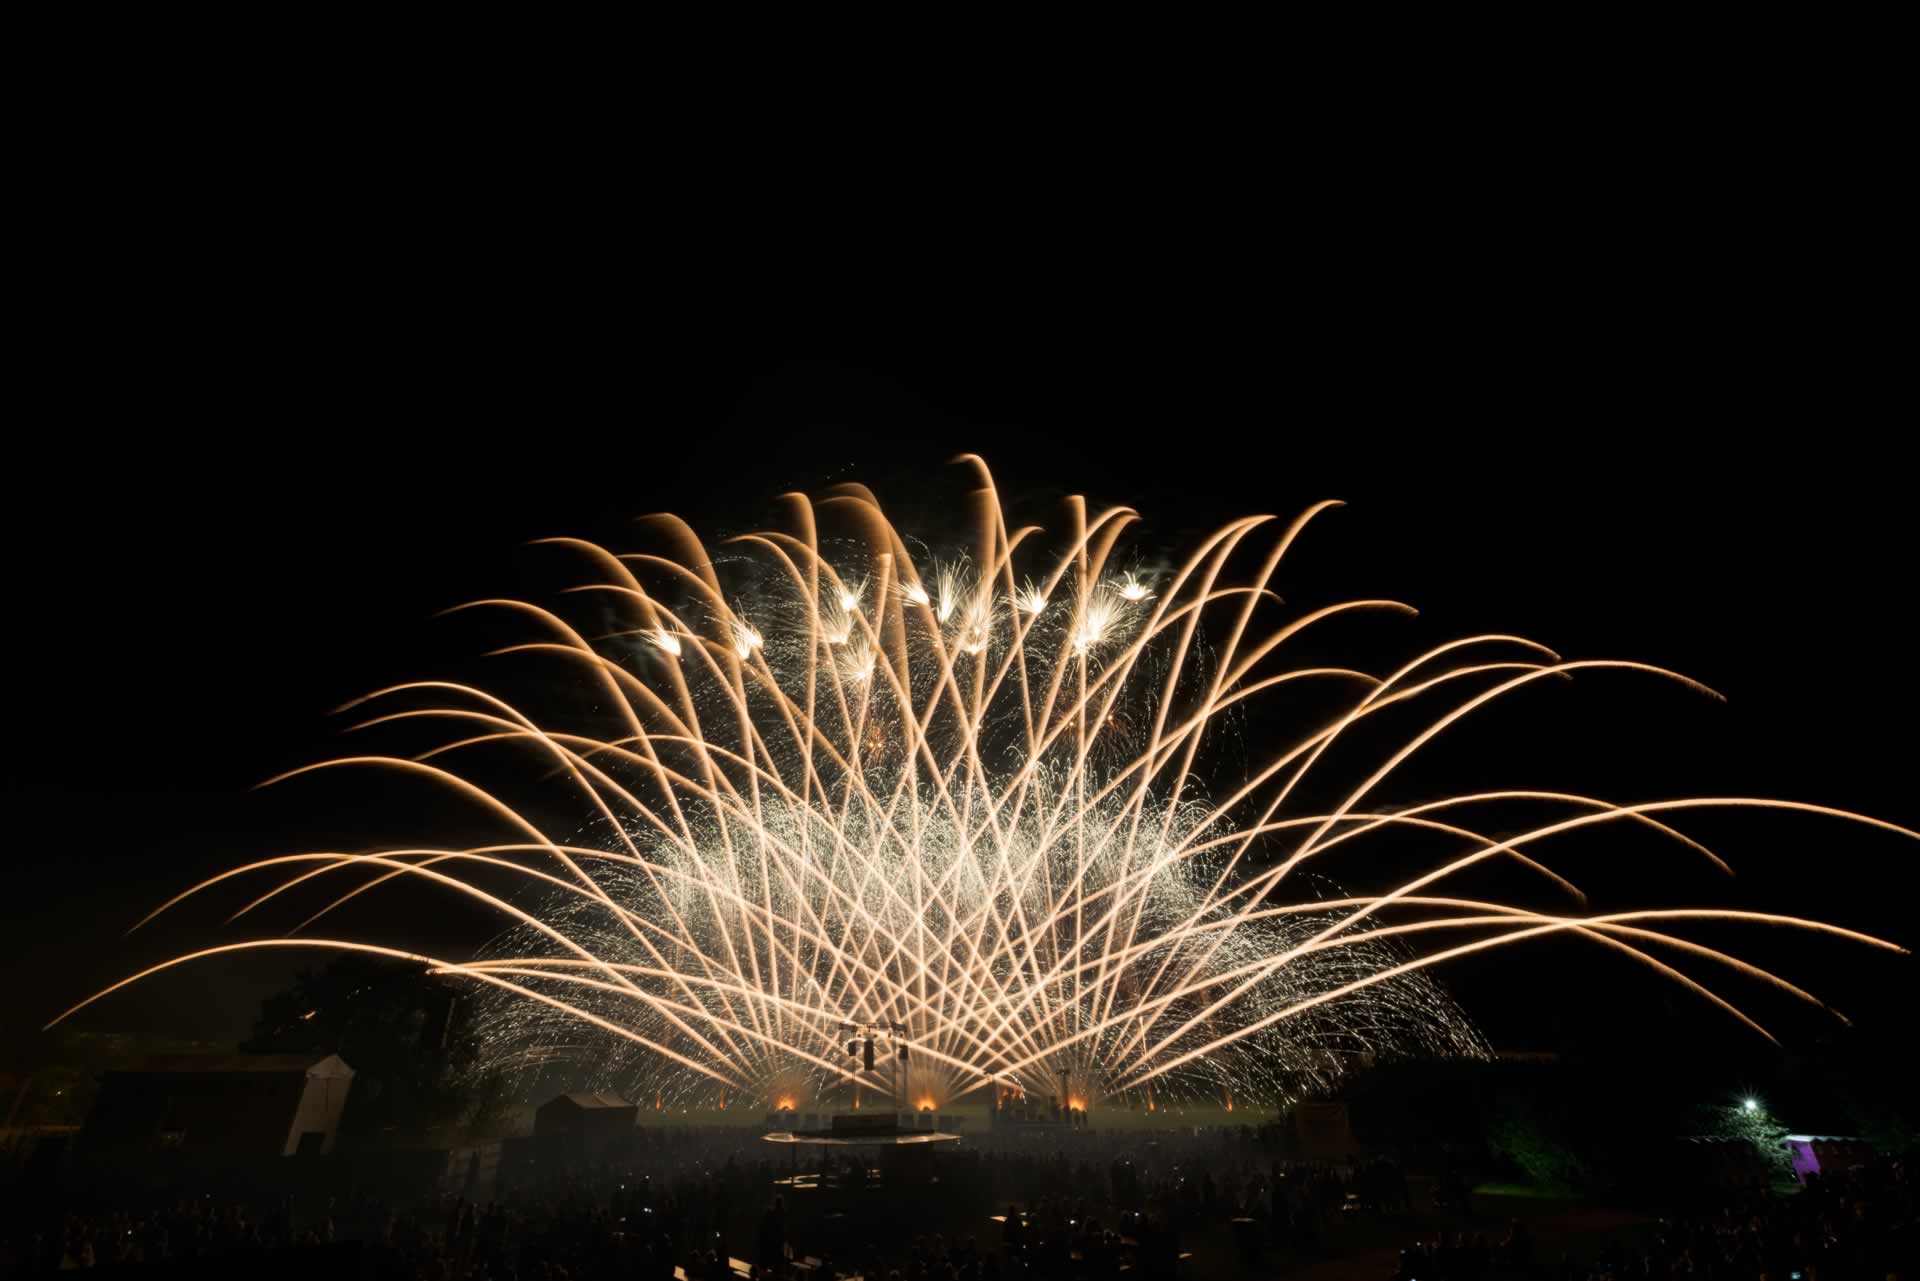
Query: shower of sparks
[746, 638]
[978, 812]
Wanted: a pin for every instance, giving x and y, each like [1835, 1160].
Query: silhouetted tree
[405, 1036]
[1747, 1118]
[1532, 1133]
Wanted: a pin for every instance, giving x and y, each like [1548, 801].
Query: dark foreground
[716, 1203]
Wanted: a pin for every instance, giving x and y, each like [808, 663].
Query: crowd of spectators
[1079, 1204]
[1853, 1225]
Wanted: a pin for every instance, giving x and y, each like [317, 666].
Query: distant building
[1827, 1154]
[237, 1104]
[589, 1119]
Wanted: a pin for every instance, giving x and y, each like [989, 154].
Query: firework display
[829, 778]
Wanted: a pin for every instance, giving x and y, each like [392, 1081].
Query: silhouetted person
[771, 1243]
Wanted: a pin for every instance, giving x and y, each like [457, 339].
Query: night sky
[189, 604]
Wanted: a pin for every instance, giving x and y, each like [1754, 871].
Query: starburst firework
[842, 784]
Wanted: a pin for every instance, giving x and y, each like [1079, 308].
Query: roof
[327, 1065]
[590, 1099]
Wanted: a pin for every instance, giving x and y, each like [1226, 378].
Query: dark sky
[275, 528]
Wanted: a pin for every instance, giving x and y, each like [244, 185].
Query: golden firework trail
[834, 782]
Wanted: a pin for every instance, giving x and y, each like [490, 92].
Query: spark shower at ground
[831, 777]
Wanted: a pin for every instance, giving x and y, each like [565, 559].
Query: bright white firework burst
[963, 795]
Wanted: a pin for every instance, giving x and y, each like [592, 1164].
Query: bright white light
[1132, 589]
[666, 640]
[1750, 1105]
[856, 664]
[952, 587]
[976, 627]
[836, 619]
[1101, 623]
[746, 638]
